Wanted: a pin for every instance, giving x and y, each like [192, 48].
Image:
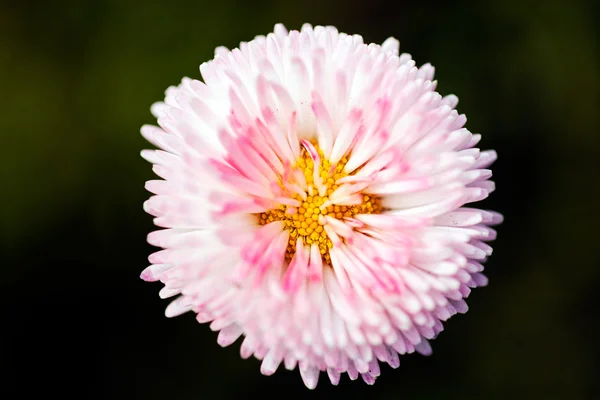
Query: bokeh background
[77, 79]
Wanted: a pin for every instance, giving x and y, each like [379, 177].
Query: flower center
[307, 220]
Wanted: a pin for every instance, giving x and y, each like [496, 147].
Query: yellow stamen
[304, 221]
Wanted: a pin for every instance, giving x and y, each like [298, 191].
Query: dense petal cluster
[313, 199]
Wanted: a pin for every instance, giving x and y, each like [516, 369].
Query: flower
[312, 200]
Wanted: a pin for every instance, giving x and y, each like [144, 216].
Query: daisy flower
[312, 201]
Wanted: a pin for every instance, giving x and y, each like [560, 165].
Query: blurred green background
[77, 79]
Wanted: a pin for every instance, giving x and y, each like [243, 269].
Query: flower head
[312, 200]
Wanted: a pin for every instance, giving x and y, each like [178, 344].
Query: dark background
[77, 80]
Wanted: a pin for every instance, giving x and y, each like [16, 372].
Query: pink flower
[312, 200]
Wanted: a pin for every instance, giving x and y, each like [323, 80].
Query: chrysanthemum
[312, 200]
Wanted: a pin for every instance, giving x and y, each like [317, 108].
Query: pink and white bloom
[313, 199]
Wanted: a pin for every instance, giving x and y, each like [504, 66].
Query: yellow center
[304, 221]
